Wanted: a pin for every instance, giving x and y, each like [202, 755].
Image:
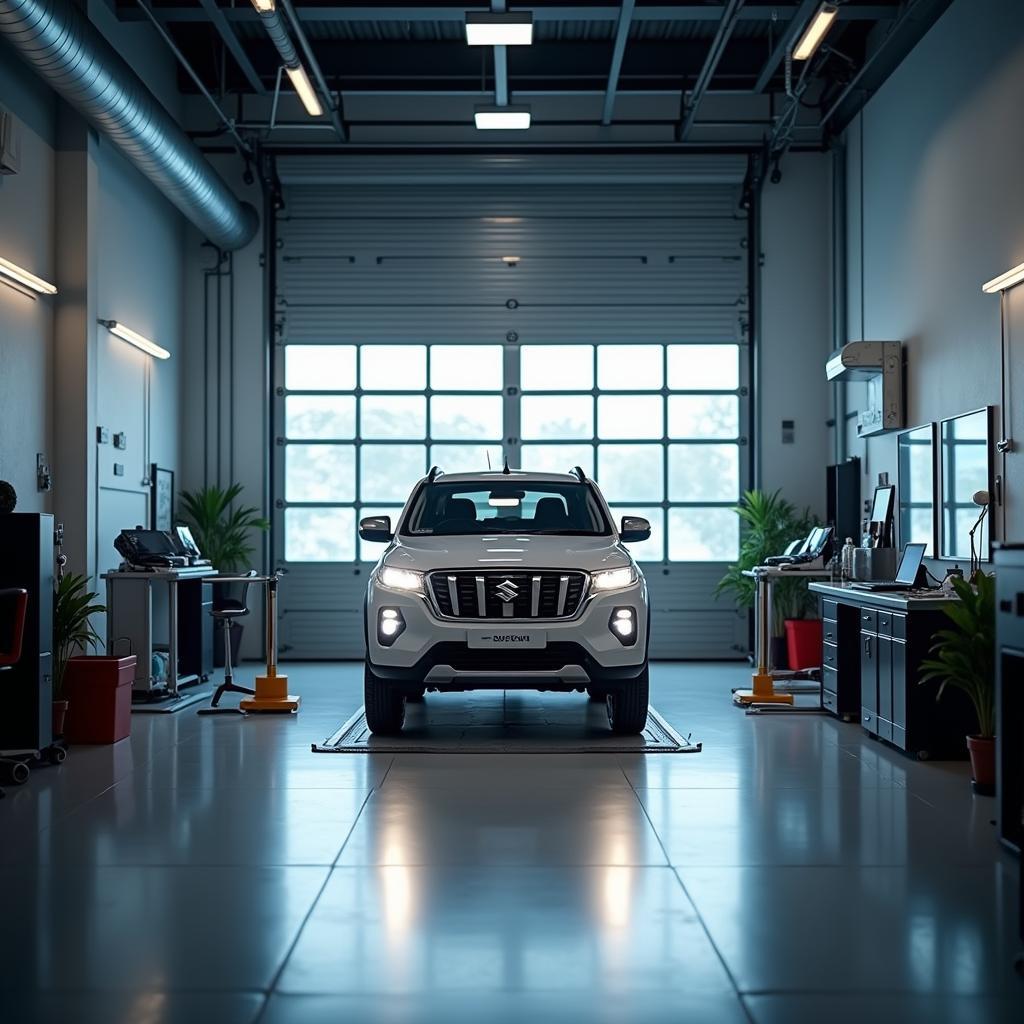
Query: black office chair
[227, 612]
[10, 654]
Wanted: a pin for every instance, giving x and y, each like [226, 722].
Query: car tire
[383, 703]
[597, 693]
[627, 705]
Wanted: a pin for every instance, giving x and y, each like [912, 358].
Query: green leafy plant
[73, 606]
[965, 657]
[220, 528]
[768, 524]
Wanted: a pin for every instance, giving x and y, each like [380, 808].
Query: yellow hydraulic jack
[762, 681]
[272, 689]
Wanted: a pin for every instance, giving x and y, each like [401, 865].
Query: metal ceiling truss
[691, 101]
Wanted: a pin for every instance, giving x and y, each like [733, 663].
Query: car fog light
[623, 624]
[390, 626]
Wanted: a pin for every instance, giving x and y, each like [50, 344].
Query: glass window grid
[594, 442]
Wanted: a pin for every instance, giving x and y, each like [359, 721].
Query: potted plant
[769, 523]
[73, 606]
[222, 531]
[964, 658]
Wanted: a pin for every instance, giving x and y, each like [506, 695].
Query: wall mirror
[916, 487]
[965, 469]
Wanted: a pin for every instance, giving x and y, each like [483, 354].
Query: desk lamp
[981, 499]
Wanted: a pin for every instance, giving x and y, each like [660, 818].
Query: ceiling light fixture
[304, 87]
[134, 338]
[489, 28]
[510, 118]
[1004, 281]
[815, 32]
[265, 6]
[23, 277]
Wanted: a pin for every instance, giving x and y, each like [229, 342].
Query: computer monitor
[880, 524]
[910, 565]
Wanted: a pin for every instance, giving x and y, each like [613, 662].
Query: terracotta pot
[983, 764]
[60, 709]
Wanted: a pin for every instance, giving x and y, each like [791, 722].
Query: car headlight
[401, 579]
[614, 579]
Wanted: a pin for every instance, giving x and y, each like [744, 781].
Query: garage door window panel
[703, 417]
[320, 472]
[631, 472]
[703, 472]
[558, 458]
[393, 367]
[556, 367]
[320, 417]
[466, 368]
[387, 472]
[319, 534]
[630, 417]
[630, 367]
[557, 417]
[703, 367]
[393, 417]
[466, 417]
[320, 367]
[703, 534]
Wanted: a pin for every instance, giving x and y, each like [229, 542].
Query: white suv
[506, 580]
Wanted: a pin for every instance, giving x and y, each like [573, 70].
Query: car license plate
[511, 639]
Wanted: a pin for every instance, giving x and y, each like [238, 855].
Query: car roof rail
[579, 474]
[435, 472]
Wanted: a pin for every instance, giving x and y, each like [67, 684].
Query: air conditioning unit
[10, 143]
[880, 365]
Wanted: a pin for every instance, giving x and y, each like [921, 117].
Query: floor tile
[152, 1007]
[847, 1008]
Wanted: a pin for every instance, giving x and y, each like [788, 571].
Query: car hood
[507, 551]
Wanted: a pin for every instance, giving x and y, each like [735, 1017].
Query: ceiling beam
[608, 12]
[786, 42]
[707, 72]
[231, 41]
[621, 35]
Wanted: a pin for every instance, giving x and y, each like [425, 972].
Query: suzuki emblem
[507, 591]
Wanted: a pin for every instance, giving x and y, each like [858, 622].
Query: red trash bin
[803, 643]
[99, 693]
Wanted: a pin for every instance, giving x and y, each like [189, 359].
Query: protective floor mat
[509, 722]
[168, 707]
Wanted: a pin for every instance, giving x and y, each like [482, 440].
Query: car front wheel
[627, 705]
[383, 703]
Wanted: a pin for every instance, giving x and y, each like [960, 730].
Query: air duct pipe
[77, 61]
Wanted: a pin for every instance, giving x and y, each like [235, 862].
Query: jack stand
[271, 689]
[763, 692]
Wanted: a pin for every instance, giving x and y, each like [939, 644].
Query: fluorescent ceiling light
[264, 6]
[815, 32]
[136, 339]
[488, 28]
[1004, 281]
[23, 277]
[303, 86]
[514, 118]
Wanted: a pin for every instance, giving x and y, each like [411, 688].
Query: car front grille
[544, 594]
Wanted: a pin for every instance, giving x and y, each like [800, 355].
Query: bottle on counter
[846, 566]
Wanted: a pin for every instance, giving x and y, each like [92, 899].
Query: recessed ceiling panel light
[488, 28]
[815, 32]
[509, 118]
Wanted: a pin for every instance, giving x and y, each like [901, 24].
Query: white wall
[796, 328]
[944, 211]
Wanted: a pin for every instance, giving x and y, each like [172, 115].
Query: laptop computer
[906, 574]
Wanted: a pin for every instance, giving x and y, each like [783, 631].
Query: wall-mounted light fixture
[134, 338]
[508, 118]
[491, 28]
[1004, 281]
[15, 273]
[817, 29]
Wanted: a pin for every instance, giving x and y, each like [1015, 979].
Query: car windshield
[527, 507]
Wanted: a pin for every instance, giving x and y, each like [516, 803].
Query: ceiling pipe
[71, 55]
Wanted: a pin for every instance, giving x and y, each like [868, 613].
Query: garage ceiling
[615, 73]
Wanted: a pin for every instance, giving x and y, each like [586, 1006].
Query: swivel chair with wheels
[227, 612]
[10, 653]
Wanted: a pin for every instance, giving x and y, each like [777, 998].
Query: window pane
[629, 416]
[703, 472]
[388, 471]
[630, 367]
[465, 417]
[703, 535]
[466, 368]
[649, 550]
[324, 417]
[319, 534]
[703, 367]
[556, 367]
[465, 458]
[558, 458]
[320, 367]
[703, 416]
[370, 551]
[320, 472]
[393, 367]
[630, 472]
[555, 417]
[393, 416]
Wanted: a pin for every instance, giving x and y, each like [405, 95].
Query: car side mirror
[634, 529]
[376, 528]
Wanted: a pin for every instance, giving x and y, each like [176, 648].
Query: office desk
[189, 597]
[872, 648]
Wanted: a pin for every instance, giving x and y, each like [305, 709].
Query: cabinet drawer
[899, 626]
[830, 631]
[829, 609]
[884, 620]
[884, 729]
[868, 620]
[829, 656]
[869, 720]
[830, 700]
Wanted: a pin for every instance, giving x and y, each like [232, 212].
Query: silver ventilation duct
[78, 62]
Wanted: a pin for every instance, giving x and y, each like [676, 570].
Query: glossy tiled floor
[214, 869]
